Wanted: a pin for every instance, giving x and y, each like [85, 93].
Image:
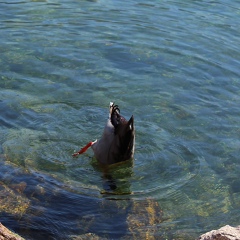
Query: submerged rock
[87, 236]
[6, 234]
[135, 219]
[11, 201]
[144, 219]
[225, 233]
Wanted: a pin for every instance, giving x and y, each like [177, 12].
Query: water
[174, 65]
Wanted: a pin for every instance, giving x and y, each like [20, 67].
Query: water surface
[173, 65]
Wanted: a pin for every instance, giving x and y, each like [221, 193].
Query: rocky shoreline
[225, 233]
[6, 234]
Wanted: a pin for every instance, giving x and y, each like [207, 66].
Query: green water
[173, 65]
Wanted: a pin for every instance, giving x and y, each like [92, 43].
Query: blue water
[174, 65]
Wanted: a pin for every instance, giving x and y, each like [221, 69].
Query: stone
[6, 234]
[225, 233]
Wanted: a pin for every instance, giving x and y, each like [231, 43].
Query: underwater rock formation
[6, 234]
[225, 233]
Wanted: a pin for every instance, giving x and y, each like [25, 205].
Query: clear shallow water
[174, 65]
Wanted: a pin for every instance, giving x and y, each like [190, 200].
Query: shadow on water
[39, 207]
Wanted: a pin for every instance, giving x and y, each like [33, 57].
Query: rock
[87, 236]
[144, 219]
[12, 201]
[6, 234]
[225, 233]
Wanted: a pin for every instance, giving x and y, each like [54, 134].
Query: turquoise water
[174, 65]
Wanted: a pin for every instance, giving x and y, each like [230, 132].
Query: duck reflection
[115, 177]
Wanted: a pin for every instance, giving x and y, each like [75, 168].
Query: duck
[117, 142]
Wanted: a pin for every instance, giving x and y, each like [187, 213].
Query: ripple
[174, 65]
[164, 172]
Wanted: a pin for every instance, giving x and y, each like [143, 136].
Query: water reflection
[116, 177]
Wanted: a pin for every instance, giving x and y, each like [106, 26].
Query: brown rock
[6, 234]
[225, 233]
